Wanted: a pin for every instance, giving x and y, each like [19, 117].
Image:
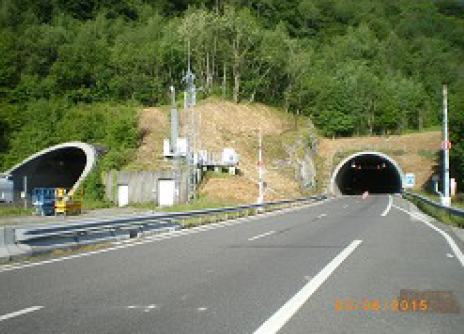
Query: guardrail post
[9, 250]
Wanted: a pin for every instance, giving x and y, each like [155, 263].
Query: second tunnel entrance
[366, 171]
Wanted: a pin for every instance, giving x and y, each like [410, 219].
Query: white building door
[166, 189]
[123, 195]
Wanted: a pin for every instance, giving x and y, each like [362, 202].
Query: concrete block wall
[143, 185]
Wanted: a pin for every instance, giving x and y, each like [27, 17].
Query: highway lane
[232, 279]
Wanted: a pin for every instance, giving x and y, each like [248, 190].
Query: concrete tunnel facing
[374, 172]
[61, 166]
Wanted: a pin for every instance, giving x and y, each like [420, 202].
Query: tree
[199, 30]
[242, 32]
[9, 63]
[136, 61]
[81, 69]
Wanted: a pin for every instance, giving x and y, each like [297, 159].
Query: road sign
[408, 181]
[445, 145]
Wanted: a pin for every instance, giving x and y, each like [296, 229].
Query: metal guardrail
[25, 234]
[21, 241]
[450, 210]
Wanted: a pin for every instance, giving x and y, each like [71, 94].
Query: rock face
[301, 157]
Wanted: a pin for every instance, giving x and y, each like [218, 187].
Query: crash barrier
[17, 242]
[456, 215]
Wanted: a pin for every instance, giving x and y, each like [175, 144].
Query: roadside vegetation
[441, 215]
[7, 210]
[456, 201]
[200, 203]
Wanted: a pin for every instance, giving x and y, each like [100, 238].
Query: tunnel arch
[61, 166]
[375, 172]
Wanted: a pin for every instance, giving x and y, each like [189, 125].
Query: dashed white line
[283, 315]
[321, 215]
[21, 312]
[450, 240]
[261, 235]
[390, 202]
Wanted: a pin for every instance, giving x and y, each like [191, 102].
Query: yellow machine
[68, 203]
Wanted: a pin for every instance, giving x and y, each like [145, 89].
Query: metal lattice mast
[189, 104]
[174, 128]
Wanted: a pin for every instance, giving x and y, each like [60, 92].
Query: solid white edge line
[5, 268]
[453, 245]
[390, 202]
[284, 314]
[261, 235]
[21, 312]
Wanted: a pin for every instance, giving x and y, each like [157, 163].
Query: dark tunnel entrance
[367, 171]
[59, 168]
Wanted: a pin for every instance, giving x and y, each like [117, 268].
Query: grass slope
[224, 124]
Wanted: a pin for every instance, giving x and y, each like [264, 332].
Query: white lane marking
[390, 202]
[122, 244]
[146, 308]
[321, 215]
[261, 235]
[449, 255]
[457, 252]
[345, 206]
[283, 315]
[21, 312]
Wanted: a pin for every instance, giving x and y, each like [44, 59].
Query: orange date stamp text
[366, 304]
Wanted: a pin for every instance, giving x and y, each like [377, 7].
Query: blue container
[44, 201]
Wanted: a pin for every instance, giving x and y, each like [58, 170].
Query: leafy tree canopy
[355, 66]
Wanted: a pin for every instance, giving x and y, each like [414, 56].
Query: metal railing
[25, 241]
[449, 210]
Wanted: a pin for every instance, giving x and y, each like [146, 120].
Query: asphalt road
[344, 266]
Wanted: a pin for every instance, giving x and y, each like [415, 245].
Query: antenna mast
[189, 105]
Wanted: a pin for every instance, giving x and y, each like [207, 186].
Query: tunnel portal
[367, 171]
[61, 166]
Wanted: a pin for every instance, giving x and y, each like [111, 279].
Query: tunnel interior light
[363, 171]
